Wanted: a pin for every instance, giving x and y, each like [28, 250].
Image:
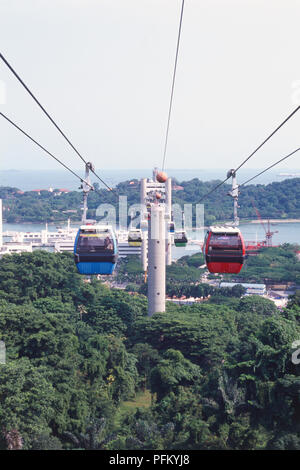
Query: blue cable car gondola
[95, 250]
[171, 227]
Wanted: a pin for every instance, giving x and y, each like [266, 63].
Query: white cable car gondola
[180, 238]
[135, 237]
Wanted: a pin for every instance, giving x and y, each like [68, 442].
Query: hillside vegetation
[276, 200]
[83, 360]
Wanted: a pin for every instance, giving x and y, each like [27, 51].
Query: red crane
[268, 232]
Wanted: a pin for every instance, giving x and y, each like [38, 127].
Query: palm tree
[93, 438]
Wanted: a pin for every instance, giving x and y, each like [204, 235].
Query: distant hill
[280, 200]
[27, 180]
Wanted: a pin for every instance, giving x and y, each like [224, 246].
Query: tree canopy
[80, 356]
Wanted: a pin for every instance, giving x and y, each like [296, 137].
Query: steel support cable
[269, 137]
[214, 189]
[172, 89]
[48, 116]
[82, 180]
[45, 150]
[251, 155]
[271, 166]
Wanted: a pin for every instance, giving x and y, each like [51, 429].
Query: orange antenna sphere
[161, 177]
[158, 196]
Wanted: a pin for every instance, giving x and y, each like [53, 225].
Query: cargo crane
[269, 234]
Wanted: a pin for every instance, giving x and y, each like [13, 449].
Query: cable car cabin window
[180, 236]
[134, 236]
[222, 241]
[95, 242]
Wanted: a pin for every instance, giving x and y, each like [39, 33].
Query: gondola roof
[223, 229]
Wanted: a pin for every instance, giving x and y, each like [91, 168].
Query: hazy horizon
[27, 180]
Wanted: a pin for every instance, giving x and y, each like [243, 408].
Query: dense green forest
[273, 264]
[275, 200]
[87, 369]
[277, 264]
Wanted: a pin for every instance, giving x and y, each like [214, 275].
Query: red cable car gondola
[224, 250]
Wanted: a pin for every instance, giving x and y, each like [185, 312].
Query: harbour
[57, 238]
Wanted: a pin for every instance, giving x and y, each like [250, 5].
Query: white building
[257, 289]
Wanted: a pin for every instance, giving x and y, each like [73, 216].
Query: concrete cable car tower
[156, 199]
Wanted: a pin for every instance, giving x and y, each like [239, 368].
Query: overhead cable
[173, 85]
[48, 116]
[44, 149]
[251, 155]
[271, 166]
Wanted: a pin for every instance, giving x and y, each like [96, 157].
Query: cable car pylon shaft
[86, 187]
[156, 260]
[234, 193]
[156, 217]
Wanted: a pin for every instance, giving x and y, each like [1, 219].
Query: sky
[103, 70]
